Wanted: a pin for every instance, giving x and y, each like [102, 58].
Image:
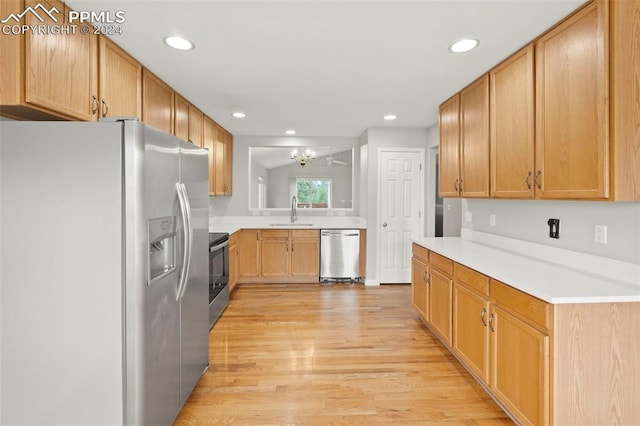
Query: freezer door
[153, 239]
[194, 315]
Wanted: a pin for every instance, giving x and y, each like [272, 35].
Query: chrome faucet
[294, 213]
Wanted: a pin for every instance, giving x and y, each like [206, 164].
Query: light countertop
[232, 224]
[549, 281]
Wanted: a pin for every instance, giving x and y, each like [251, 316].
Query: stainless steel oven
[218, 275]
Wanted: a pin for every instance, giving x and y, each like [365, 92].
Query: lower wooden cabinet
[440, 293]
[470, 329]
[275, 253]
[249, 249]
[519, 367]
[305, 253]
[279, 255]
[234, 260]
[420, 280]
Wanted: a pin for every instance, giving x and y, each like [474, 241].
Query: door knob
[384, 225]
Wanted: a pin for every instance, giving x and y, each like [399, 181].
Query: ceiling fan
[331, 160]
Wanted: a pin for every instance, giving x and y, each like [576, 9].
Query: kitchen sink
[289, 225]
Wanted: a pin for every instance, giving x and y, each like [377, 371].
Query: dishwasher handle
[338, 233]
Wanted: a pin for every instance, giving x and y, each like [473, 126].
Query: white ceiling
[324, 68]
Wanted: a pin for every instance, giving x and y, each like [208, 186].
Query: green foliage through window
[313, 193]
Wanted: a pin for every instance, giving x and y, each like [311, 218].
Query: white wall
[374, 139]
[238, 203]
[527, 221]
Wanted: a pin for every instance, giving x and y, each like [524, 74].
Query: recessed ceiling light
[290, 132]
[390, 117]
[239, 114]
[464, 45]
[178, 42]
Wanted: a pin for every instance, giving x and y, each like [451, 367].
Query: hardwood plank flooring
[343, 354]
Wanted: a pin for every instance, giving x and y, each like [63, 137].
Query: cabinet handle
[537, 179]
[257, 236]
[460, 186]
[105, 108]
[95, 104]
[425, 277]
[455, 185]
[528, 180]
[482, 315]
[491, 318]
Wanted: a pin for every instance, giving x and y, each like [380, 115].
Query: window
[313, 193]
[262, 192]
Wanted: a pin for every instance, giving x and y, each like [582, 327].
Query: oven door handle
[218, 246]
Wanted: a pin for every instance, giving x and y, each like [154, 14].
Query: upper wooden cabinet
[39, 80]
[449, 166]
[474, 139]
[208, 142]
[572, 83]
[223, 162]
[512, 126]
[188, 121]
[464, 142]
[181, 117]
[157, 102]
[584, 112]
[120, 82]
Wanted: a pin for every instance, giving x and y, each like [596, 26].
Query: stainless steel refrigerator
[104, 273]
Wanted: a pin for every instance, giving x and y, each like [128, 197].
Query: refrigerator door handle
[185, 240]
[189, 247]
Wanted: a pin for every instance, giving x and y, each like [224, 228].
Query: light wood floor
[338, 354]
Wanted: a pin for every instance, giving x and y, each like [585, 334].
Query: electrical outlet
[340, 213]
[329, 213]
[600, 235]
[468, 217]
[492, 220]
[265, 213]
[255, 213]
[554, 228]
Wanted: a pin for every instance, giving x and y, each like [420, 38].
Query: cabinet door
[234, 266]
[449, 165]
[470, 331]
[196, 122]
[52, 79]
[219, 161]
[249, 247]
[305, 258]
[520, 367]
[275, 257]
[181, 118]
[512, 137]
[157, 102]
[572, 110]
[474, 139]
[440, 289]
[120, 80]
[420, 288]
[228, 163]
[208, 142]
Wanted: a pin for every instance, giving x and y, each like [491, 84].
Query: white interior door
[400, 211]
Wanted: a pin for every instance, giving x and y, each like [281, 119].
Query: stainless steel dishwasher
[339, 255]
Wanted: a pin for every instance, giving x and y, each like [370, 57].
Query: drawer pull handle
[491, 318]
[95, 104]
[482, 315]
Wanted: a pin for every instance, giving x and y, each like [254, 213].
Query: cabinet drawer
[529, 307]
[420, 253]
[305, 233]
[275, 233]
[471, 278]
[442, 263]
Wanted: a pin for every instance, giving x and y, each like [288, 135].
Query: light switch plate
[468, 217]
[492, 220]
